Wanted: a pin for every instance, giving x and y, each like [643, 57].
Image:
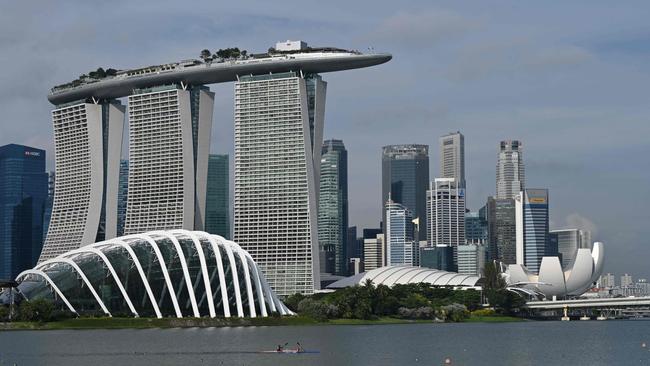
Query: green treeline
[410, 301]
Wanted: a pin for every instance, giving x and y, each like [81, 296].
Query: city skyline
[550, 119]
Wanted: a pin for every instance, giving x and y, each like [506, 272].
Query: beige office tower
[278, 138]
[510, 169]
[87, 142]
[169, 144]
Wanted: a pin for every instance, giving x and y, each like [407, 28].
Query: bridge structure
[602, 308]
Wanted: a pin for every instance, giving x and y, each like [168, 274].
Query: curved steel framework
[160, 273]
[394, 275]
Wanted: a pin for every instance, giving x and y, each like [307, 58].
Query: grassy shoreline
[148, 323]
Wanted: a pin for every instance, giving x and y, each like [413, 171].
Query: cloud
[577, 221]
[514, 57]
[423, 28]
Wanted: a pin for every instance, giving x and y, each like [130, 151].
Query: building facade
[49, 202]
[87, 146]
[567, 242]
[169, 141]
[532, 228]
[374, 252]
[502, 230]
[510, 169]
[333, 207]
[405, 179]
[122, 196]
[476, 227]
[452, 157]
[445, 213]
[277, 158]
[217, 205]
[23, 195]
[471, 259]
[400, 244]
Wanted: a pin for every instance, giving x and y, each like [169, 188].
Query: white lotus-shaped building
[553, 281]
[175, 273]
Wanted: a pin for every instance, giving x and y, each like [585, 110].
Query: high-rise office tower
[49, 202]
[400, 244]
[446, 213]
[217, 206]
[510, 169]
[122, 196]
[405, 179]
[23, 192]
[626, 280]
[374, 252]
[333, 207]
[471, 259]
[169, 141]
[502, 230]
[278, 139]
[452, 158]
[476, 227]
[87, 146]
[567, 242]
[531, 212]
[607, 280]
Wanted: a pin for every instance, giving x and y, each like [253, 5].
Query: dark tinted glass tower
[217, 207]
[23, 194]
[405, 177]
[333, 207]
[122, 196]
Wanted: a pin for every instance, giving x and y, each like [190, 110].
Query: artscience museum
[552, 280]
[175, 273]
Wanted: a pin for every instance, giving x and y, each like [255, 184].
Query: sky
[571, 80]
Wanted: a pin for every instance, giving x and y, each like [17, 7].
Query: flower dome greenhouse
[175, 273]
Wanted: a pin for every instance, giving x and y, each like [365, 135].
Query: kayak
[290, 351]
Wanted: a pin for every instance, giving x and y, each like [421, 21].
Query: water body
[526, 343]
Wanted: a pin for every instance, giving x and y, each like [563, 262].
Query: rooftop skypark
[223, 66]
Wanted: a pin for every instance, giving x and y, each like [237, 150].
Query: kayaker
[279, 349]
[299, 348]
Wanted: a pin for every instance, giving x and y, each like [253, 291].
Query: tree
[492, 277]
[206, 54]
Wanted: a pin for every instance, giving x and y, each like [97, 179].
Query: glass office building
[405, 179]
[333, 207]
[23, 196]
[217, 206]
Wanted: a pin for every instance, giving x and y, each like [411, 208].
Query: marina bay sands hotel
[279, 112]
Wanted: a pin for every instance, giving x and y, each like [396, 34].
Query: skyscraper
[452, 157]
[169, 142]
[446, 213]
[88, 143]
[400, 245]
[122, 196]
[374, 252]
[476, 227]
[532, 227]
[510, 169]
[405, 179]
[333, 207]
[23, 192]
[471, 259]
[278, 139]
[502, 230]
[568, 241]
[49, 202]
[217, 206]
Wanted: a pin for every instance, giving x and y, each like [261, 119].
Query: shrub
[318, 310]
[454, 312]
[483, 312]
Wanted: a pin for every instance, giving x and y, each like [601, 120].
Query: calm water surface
[528, 343]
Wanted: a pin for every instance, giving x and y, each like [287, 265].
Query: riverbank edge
[148, 323]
